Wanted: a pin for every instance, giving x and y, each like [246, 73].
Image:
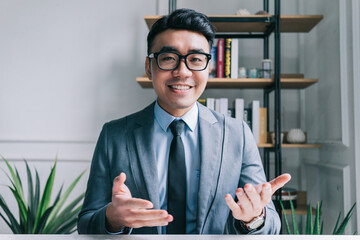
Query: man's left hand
[253, 199]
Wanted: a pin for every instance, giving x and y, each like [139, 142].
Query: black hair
[182, 19]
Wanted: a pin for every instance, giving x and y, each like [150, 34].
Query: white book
[255, 118]
[235, 58]
[224, 105]
[210, 103]
[239, 108]
[217, 105]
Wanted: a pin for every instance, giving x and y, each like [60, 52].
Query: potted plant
[37, 215]
[315, 227]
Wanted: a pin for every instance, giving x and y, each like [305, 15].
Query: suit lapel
[143, 135]
[211, 138]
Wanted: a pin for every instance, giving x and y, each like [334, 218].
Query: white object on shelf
[295, 135]
[243, 11]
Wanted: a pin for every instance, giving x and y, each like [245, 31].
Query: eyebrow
[172, 49]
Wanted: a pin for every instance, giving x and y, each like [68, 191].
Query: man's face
[178, 89]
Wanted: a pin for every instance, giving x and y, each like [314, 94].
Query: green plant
[315, 228]
[37, 215]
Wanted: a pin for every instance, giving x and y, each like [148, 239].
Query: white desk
[176, 237]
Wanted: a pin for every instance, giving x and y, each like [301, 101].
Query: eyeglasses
[171, 60]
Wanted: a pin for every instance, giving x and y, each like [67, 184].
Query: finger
[279, 182]
[118, 182]
[258, 188]
[253, 196]
[136, 203]
[152, 222]
[243, 200]
[266, 193]
[146, 214]
[235, 209]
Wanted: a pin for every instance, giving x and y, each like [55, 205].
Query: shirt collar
[165, 119]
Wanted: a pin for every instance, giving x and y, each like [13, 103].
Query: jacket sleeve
[98, 193]
[253, 172]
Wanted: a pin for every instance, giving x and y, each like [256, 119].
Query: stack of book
[225, 58]
[254, 116]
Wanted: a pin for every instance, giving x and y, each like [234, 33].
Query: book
[224, 105]
[255, 106]
[262, 125]
[210, 103]
[220, 58]
[217, 105]
[202, 101]
[227, 58]
[213, 62]
[235, 58]
[239, 109]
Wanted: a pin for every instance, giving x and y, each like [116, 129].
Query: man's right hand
[126, 211]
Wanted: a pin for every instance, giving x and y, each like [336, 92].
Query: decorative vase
[295, 135]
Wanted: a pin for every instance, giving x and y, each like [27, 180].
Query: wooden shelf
[288, 145]
[259, 83]
[260, 23]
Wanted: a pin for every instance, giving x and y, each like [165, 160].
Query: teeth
[180, 87]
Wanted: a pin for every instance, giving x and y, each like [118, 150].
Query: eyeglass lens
[194, 61]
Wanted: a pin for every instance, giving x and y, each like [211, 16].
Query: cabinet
[261, 27]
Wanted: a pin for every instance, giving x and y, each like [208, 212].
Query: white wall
[67, 67]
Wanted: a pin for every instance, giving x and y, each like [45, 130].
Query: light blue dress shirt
[190, 137]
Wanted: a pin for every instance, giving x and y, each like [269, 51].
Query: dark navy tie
[176, 203]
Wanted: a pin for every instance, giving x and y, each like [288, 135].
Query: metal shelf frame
[274, 28]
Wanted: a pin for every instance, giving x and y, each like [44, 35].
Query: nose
[182, 70]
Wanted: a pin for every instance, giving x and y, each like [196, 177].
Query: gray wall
[66, 67]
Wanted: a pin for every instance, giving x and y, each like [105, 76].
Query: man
[177, 167]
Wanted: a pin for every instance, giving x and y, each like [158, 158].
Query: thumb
[279, 182]
[119, 187]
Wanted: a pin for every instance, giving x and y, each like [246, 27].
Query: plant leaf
[21, 205]
[322, 227]
[317, 220]
[308, 228]
[285, 218]
[46, 196]
[51, 226]
[18, 177]
[42, 221]
[37, 193]
[62, 200]
[293, 215]
[68, 225]
[15, 226]
[343, 224]
[15, 180]
[30, 188]
[337, 223]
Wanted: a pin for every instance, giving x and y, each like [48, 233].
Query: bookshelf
[254, 83]
[288, 145]
[256, 23]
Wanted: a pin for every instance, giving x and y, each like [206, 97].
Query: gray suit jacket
[229, 159]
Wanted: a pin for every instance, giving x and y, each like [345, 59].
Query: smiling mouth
[180, 87]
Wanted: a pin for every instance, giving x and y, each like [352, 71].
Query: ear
[148, 68]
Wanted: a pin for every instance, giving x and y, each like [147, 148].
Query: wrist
[110, 223]
[256, 223]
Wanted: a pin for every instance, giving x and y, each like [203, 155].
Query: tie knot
[177, 127]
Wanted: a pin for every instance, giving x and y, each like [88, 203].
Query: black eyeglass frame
[156, 54]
